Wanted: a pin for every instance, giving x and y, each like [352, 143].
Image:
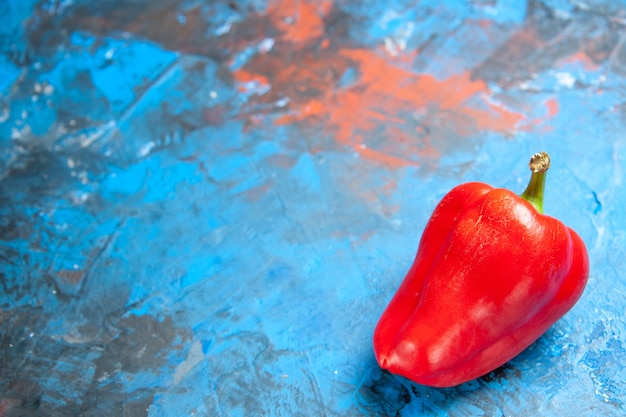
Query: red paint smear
[402, 86]
[243, 77]
[388, 114]
[501, 119]
[582, 58]
[382, 158]
[299, 21]
[384, 92]
[553, 107]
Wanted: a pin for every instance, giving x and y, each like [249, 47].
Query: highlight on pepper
[492, 274]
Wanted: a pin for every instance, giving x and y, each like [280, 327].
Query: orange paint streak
[243, 77]
[384, 91]
[383, 158]
[299, 21]
[582, 58]
[313, 108]
[419, 90]
[306, 110]
[385, 97]
[553, 107]
[401, 90]
[500, 118]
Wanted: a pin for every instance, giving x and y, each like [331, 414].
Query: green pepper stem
[539, 164]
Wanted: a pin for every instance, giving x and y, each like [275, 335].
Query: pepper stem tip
[539, 164]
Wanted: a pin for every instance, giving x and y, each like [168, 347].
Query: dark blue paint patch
[596, 205]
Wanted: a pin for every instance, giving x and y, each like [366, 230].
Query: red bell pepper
[491, 275]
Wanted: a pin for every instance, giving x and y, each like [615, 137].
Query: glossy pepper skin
[491, 275]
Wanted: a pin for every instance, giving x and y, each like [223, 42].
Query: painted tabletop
[205, 206]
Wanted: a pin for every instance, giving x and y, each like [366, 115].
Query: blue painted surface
[207, 205]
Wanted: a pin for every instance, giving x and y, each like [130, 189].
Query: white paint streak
[565, 79]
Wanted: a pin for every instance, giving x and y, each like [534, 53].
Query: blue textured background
[206, 205]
